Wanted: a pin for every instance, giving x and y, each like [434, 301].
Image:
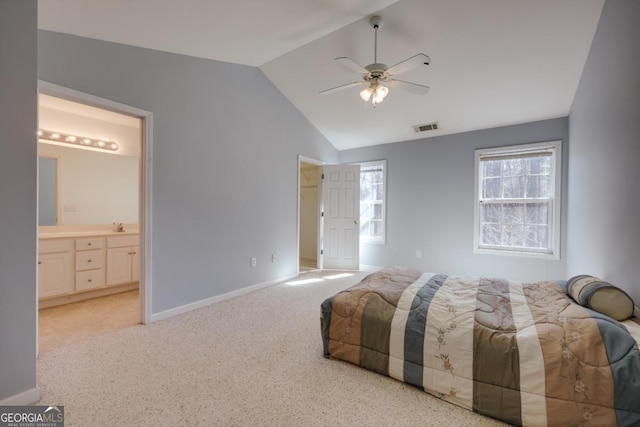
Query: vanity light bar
[77, 140]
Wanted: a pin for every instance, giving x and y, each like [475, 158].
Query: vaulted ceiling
[493, 62]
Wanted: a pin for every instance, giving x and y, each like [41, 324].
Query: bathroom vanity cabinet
[89, 257]
[74, 267]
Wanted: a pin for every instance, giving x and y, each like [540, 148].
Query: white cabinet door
[341, 209]
[135, 264]
[118, 266]
[55, 274]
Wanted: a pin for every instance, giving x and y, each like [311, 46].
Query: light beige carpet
[254, 360]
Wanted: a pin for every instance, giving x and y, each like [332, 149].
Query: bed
[524, 353]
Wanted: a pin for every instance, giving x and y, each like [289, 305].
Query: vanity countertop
[92, 233]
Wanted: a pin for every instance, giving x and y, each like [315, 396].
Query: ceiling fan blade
[408, 86]
[408, 64]
[346, 62]
[339, 88]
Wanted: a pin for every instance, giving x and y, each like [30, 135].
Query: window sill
[523, 254]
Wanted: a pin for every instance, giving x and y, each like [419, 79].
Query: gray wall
[225, 161]
[430, 200]
[18, 186]
[604, 171]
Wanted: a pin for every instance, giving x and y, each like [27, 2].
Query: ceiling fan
[378, 76]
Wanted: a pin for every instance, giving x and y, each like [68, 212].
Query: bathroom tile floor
[78, 321]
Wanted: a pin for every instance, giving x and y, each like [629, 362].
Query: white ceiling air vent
[427, 127]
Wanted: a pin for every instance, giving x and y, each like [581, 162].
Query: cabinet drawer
[47, 246]
[90, 279]
[120, 241]
[89, 260]
[89, 243]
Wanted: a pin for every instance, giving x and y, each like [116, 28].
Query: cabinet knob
[39, 262]
[88, 280]
[88, 260]
[89, 244]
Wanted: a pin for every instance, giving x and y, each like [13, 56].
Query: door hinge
[321, 213]
[322, 176]
[321, 251]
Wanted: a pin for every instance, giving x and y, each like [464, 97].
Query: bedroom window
[372, 201]
[517, 209]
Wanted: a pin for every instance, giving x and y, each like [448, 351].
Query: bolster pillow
[600, 296]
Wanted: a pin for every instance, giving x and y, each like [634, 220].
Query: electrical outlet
[418, 254]
[253, 262]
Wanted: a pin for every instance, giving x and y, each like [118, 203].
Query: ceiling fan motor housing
[377, 71]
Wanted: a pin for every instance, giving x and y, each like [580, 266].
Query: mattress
[524, 353]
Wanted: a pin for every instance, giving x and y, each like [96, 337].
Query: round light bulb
[366, 94]
[382, 91]
[55, 136]
[71, 138]
[40, 133]
[86, 141]
[101, 144]
[113, 146]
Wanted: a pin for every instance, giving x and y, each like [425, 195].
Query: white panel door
[341, 208]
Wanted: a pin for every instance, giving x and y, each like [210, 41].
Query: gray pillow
[600, 296]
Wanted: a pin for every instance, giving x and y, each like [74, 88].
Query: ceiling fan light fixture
[380, 93]
[366, 94]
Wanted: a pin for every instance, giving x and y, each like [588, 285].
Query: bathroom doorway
[102, 198]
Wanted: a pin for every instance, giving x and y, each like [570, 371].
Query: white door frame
[145, 192]
[319, 226]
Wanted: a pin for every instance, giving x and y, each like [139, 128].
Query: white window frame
[555, 147]
[382, 239]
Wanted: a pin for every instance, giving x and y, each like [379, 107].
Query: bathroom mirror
[79, 186]
[47, 191]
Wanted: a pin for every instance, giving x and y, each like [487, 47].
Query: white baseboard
[25, 398]
[365, 267]
[218, 298]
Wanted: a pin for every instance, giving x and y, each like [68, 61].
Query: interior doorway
[128, 302]
[328, 216]
[309, 215]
